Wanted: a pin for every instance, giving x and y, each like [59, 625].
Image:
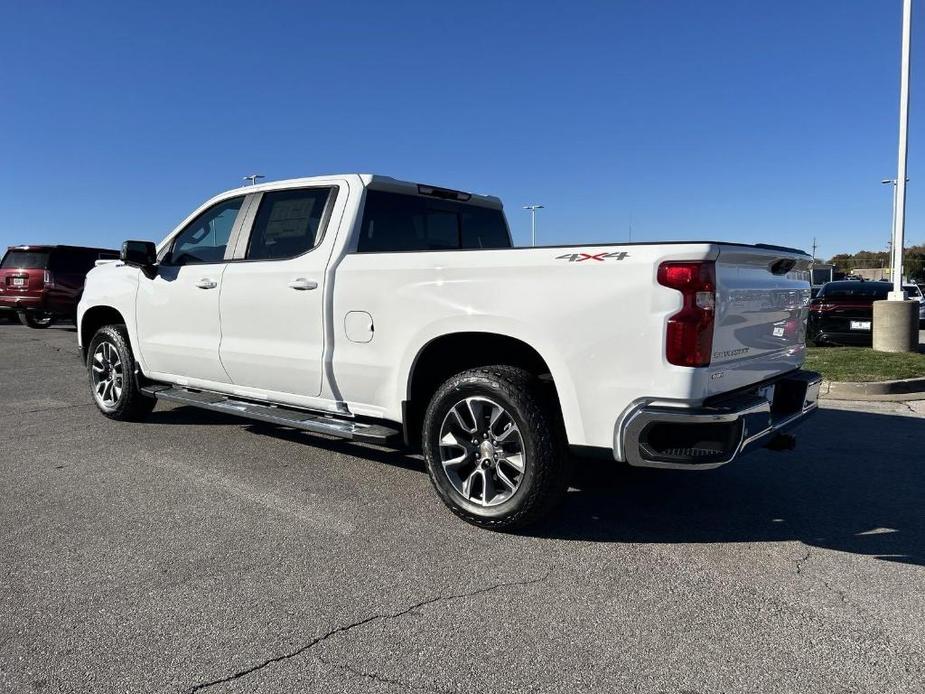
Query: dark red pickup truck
[41, 283]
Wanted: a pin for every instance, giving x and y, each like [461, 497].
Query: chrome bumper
[706, 437]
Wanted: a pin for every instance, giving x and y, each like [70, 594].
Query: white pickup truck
[383, 311]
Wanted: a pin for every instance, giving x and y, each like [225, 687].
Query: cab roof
[378, 182]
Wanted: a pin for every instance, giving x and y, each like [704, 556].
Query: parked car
[382, 311]
[843, 312]
[914, 292]
[41, 283]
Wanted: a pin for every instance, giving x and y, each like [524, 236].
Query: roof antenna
[253, 178]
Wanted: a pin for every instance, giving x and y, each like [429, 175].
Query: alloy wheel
[107, 374]
[482, 451]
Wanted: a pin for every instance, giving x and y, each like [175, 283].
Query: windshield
[25, 259]
[856, 290]
[913, 291]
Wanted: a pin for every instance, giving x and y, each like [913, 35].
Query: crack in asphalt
[836, 591]
[44, 409]
[353, 625]
[385, 680]
[800, 560]
[825, 583]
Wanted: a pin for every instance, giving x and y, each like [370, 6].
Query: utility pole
[814, 250]
[253, 178]
[533, 209]
[895, 324]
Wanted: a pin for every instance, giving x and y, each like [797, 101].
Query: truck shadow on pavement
[196, 416]
[855, 483]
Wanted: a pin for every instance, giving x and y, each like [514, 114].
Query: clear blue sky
[739, 120]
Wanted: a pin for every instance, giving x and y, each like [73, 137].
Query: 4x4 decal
[601, 257]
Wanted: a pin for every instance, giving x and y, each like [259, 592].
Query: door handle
[302, 284]
[206, 283]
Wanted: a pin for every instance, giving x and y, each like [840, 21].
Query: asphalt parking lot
[198, 552]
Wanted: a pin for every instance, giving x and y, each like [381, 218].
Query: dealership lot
[198, 552]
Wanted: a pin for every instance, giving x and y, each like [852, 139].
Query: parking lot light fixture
[533, 209]
[891, 181]
[895, 321]
[899, 226]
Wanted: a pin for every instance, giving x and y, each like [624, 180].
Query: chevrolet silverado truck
[394, 313]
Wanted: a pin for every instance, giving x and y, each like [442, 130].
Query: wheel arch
[450, 353]
[93, 319]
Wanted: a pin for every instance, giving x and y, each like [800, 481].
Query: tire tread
[551, 460]
[134, 405]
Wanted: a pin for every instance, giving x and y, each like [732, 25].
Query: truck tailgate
[762, 302]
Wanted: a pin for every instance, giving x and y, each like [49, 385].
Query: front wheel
[37, 320]
[111, 369]
[494, 447]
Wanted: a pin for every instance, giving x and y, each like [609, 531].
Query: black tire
[38, 321]
[545, 461]
[129, 404]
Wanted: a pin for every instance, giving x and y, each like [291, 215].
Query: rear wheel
[111, 370]
[36, 319]
[494, 447]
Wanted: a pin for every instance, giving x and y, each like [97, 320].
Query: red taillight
[49, 279]
[690, 331]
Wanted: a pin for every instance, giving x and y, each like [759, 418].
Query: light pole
[891, 181]
[253, 178]
[533, 209]
[895, 321]
[899, 225]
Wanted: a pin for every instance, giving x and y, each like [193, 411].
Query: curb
[905, 389]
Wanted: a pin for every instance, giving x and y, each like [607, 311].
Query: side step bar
[282, 416]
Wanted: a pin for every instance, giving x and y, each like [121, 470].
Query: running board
[274, 414]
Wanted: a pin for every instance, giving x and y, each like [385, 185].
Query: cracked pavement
[202, 553]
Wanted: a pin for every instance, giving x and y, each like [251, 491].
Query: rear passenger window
[287, 223]
[205, 238]
[398, 222]
[483, 227]
[69, 262]
[77, 261]
[442, 229]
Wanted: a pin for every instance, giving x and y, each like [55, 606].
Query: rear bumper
[22, 303]
[706, 437]
[59, 303]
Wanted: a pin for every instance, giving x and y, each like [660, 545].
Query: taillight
[49, 279]
[690, 331]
